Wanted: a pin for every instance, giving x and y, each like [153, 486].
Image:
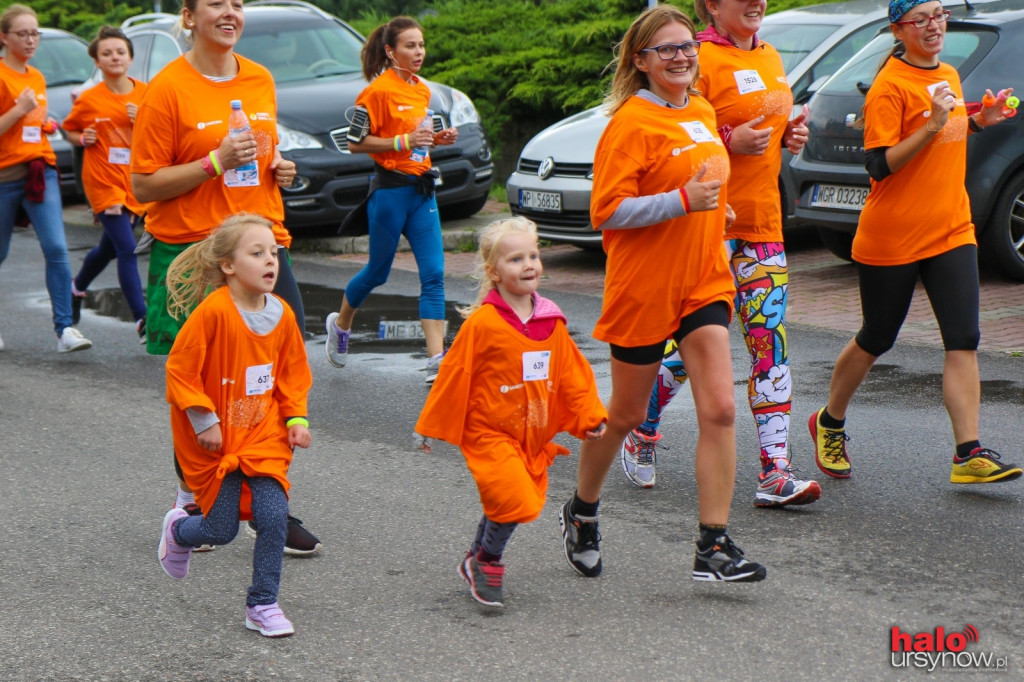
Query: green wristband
[297, 421]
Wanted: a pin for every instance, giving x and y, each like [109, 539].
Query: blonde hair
[10, 14]
[487, 255]
[628, 79]
[196, 271]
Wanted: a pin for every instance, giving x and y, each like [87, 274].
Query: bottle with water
[423, 153]
[246, 175]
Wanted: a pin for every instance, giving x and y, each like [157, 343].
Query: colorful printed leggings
[762, 283]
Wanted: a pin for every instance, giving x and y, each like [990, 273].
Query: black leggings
[713, 313]
[951, 282]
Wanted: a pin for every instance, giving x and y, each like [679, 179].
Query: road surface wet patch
[895, 382]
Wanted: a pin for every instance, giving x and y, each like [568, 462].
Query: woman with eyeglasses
[660, 170]
[28, 166]
[916, 225]
[745, 81]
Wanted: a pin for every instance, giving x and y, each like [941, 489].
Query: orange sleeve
[24, 141]
[294, 378]
[396, 107]
[580, 403]
[444, 415]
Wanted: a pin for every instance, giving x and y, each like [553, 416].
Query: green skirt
[161, 327]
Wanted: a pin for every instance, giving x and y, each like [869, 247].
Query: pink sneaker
[173, 557]
[268, 620]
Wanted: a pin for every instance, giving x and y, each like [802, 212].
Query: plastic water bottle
[423, 153]
[246, 175]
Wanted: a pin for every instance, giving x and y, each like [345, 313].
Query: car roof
[855, 11]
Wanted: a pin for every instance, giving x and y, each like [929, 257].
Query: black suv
[315, 60]
[984, 43]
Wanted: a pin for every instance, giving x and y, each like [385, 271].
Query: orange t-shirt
[921, 210]
[396, 107]
[106, 174]
[25, 140]
[183, 117]
[253, 382]
[658, 274]
[742, 85]
[501, 398]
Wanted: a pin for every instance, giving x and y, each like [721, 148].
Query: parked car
[984, 43]
[552, 181]
[65, 62]
[315, 60]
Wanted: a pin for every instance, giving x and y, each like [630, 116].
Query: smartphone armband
[359, 128]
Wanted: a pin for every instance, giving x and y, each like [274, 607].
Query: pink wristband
[686, 199]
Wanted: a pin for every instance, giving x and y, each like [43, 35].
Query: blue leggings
[219, 527]
[392, 213]
[117, 242]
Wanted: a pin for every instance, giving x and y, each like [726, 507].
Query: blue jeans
[48, 220]
[393, 212]
[117, 242]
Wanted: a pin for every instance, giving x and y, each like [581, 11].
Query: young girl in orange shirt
[511, 381]
[237, 382]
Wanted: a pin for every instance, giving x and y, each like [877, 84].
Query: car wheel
[1002, 242]
[463, 209]
[839, 243]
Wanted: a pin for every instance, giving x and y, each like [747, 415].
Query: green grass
[498, 193]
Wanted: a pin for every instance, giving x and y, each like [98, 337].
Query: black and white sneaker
[723, 560]
[298, 541]
[581, 541]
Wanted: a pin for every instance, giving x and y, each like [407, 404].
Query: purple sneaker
[337, 342]
[173, 557]
[268, 620]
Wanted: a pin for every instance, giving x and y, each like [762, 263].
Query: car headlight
[293, 139]
[463, 111]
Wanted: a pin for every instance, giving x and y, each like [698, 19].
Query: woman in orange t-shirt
[28, 172]
[101, 121]
[916, 225]
[389, 123]
[659, 169]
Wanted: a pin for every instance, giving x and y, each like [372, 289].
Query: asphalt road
[87, 477]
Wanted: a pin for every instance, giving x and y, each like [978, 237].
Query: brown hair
[196, 270]
[106, 32]
[487, 256]
[374, 56]
[12, 13]
[628, 79]
[700, 8]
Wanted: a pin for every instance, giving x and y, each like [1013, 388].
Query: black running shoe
[298, 542]
[724, 561]
[581, 541]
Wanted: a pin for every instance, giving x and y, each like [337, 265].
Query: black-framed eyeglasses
[669, 51]
[25, 35]
[939, 18]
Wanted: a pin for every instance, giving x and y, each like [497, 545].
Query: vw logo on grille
[546, 166]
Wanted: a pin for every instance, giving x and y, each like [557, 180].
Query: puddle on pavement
[892, 381]
[320, 301]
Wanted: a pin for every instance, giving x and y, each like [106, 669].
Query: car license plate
[839, 196]
[540, 201]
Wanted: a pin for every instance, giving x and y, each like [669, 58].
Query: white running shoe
[71, 340]
[336, 345]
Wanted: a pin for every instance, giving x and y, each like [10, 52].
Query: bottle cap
[236, 104]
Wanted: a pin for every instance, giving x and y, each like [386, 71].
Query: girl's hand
[943, 102]
[446, 136]
[703, 196]
[796, 133]
[283, 169]
[421, 442]
[299, 435]
[993, 113]
[211, 439]
[26, 101]
[236, 151]
[132, 108]
[595, 434]
[88, 137]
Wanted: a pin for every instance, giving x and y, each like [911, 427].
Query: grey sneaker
[581, 542]
[484, 580]
[71, 340]
[337, 342]
[724, 561]
[639, 456]
[433, 366]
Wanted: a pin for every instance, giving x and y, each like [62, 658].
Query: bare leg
[346, 315]
[433, 330]
[852, 365]
[961, 391]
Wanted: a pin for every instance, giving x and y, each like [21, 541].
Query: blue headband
[897, 8]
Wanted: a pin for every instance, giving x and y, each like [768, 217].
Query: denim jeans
[48, 220]
[117, 242]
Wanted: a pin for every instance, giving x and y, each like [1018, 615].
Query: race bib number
[748, 80]
[697, 131]
[258, 379]
[535, 365]
[120, 156]
[32, 134]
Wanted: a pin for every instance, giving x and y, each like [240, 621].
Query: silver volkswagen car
[552, 181]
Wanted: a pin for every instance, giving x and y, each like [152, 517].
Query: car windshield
[794, 41]
[859, 73]
[301, 50]
[63, 60]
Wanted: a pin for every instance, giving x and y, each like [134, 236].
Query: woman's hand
[993, 114]
[446, 136]
[26, 101]
[796, 133]
[211, 439]
[133, 109]
[284, 172]
[943, 102]
[746, 139]
[730, 215]
[703, 196]
[421, 137]
[237, 151]
[88, 137]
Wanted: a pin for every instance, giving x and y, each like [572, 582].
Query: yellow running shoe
[982, 466]
[829, 448]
